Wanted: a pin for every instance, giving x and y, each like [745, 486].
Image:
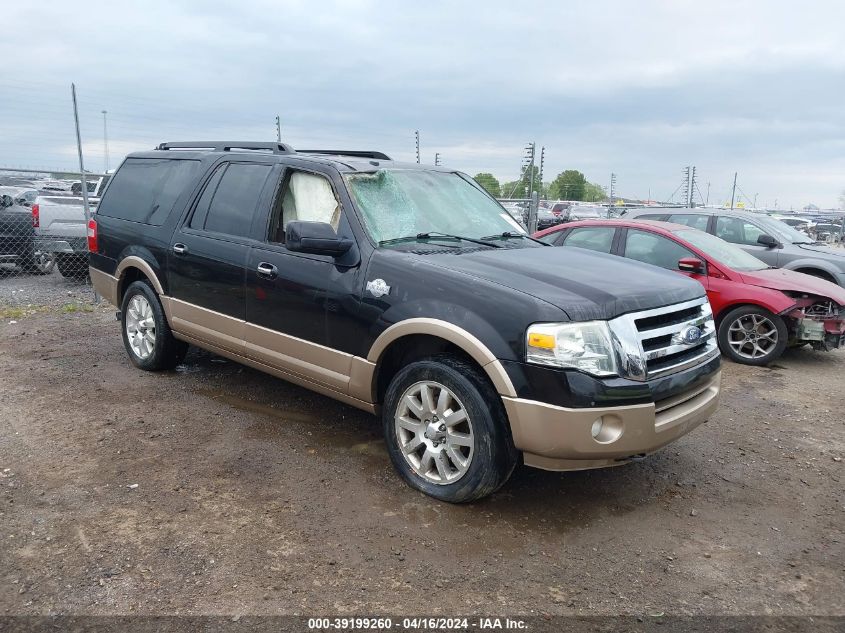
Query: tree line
[567, 185]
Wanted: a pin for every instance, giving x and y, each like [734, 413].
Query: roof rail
[228, 146]
[354, 152]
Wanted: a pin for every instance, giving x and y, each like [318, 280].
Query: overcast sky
[636, 88]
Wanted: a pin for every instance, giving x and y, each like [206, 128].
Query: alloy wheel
[753, 336]
[434, 432]
[140, 327]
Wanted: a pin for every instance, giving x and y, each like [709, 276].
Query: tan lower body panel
[104, 284]
[558, 438]
[315, 366]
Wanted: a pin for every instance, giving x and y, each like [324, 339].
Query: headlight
[585, 346]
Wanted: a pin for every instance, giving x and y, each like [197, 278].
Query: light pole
[105, 140]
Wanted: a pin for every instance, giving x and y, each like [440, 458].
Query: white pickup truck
[60, 227]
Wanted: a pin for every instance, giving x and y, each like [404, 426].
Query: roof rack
[338, 152]
[228, 146]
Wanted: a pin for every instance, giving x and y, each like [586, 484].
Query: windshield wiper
[507, 235]
[429, 235]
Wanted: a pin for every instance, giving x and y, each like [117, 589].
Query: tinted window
[233, 200]
[145, 190]
[654, 249]
[551, 238]
[594, 238]
[694, 220]
[651, 216]
[737, 231]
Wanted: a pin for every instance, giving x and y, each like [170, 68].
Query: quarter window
[144, 190]
[654, 249]
[594, 238]
[737, 230]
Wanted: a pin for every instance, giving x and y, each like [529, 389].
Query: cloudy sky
[636, 88]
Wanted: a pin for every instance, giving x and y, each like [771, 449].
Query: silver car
[766, 238]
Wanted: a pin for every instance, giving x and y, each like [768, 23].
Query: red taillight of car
[36, 216]
[92, 236]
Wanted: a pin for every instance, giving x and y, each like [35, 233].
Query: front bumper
[559, 438]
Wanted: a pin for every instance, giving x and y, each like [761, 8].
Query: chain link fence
[42, 223]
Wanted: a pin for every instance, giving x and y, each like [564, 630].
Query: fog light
[596, 428]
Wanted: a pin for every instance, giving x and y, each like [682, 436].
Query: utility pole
[105, 141]
[417, 135]
[278, 129]
[733, 192]
[686, 185]
[437, 159]
[707, 199]
[692, 189]
[542, 160]
[612, 192]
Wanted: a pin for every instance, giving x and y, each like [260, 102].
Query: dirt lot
[215, 489]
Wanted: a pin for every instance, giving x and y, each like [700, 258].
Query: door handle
[268, 271]
[180, 249]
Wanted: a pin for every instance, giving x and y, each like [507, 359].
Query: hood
[824, 251]
[584, 284]
[789, 280]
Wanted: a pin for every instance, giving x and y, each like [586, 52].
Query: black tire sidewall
[493, 457]
[736, 313]
[162, 350]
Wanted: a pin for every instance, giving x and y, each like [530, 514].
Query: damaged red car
[758, 310]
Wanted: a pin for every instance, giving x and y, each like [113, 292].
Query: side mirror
[768, 241]
[691, 265]
[316, 238]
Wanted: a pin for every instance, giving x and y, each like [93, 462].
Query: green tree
[593, 192]
[519, 188]
[569, 185]
[489, 182]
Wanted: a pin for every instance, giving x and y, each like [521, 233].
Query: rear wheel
[146, 334]
[752, 335]
[39, 263]
[446, 430]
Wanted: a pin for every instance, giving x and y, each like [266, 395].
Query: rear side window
[694, 220]
[654, 249]
[229, 201]
[144, 190]
[594, 238]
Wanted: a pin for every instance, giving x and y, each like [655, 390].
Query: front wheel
[146, 333]
[446, 430]
[752, 335]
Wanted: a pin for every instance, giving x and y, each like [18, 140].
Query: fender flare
[133, 261]
[466, 341]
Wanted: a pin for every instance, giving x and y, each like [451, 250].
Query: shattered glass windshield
[397, 203]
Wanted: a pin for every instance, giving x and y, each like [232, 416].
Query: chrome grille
[662, 341]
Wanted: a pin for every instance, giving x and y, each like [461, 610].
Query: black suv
[407, 291]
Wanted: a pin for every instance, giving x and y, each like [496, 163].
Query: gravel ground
[215, 489]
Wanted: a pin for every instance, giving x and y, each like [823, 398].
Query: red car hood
[780, 279]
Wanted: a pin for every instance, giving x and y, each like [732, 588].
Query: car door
[744, 234]
[658, 250]
[209, 252]
[291, 297]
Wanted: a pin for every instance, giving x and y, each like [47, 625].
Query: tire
[765, 335]
[477, 456]
[38, 263]
[152, 346]
[72, 266]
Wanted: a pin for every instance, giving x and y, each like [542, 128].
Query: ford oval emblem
[691, 335]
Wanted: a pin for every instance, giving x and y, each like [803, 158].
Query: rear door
[209, 252]
[594, 238]
[658, 250]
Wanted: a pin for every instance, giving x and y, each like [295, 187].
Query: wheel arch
[811, 266]
[134, 268]
[420, 337]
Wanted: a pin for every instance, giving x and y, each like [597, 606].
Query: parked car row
[759, 310]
